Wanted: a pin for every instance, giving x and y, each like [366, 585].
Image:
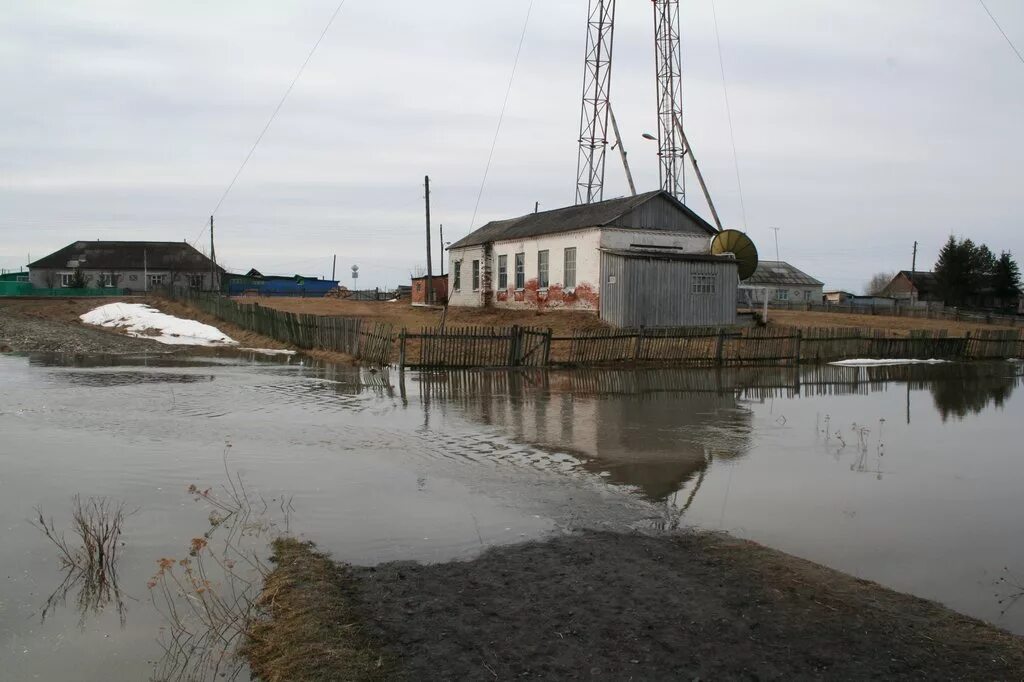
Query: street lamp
[648, 136]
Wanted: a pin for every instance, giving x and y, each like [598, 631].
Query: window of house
[105, 280]
[702, 283]
[156, 280]
[503, 272]
[457, 276]
[67, 278]
[195, 281]
[520, 270]
[542, 269]
[782, 294]
[476, 275]
[569, 277]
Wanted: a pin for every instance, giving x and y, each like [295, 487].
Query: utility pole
[441, 246]
[430, 273]
[213, 258]
[536, 206]
[622, 151]
[913, 273]
[334, 265]
[776, 229]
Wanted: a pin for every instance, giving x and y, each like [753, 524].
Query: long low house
[639, 261]
[135, 266]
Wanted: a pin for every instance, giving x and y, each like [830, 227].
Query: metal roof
[777, 272]
[570, 218]
[670, 255]
[924, 282]
[126, 256]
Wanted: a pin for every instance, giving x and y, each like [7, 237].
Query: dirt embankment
[53, 325]
[611, 606]
[898, 325]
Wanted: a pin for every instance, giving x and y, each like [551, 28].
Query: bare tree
[878, 282]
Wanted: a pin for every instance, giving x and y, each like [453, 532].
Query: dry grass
[899, 325]
[310, 631]
[402, 314]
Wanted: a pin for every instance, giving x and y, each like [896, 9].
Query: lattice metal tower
[668, 61]
[597, 84]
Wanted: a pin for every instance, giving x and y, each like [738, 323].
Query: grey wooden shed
[655, 288]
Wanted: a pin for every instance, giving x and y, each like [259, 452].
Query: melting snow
[138, 319]
[868, 362]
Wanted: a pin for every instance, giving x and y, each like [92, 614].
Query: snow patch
[868, 362]
[143, 321]
[269, 351]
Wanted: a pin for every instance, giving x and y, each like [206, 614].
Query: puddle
[908, 475]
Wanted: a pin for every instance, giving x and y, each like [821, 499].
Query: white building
[783, 284]
[557, 258]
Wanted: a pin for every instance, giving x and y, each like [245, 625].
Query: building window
[542, 269]
[702, 283]
[67, 279]
[156, 280]
[476, 275]
[569, 277]
[105, 279]
[457, 276]
[782, 294]
[520, 270]
[503, 272]
[195, 281]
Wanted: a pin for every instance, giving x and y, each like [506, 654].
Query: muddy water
[910, 476]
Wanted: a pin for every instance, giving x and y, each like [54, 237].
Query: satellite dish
[740, 246]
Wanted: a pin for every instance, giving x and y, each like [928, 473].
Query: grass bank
[309, 629]
[617, 606]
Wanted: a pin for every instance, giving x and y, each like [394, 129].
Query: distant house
[913, 286]
[638, 260]
[783, 283]
[838, 297]
[135, 266]
[256, 283]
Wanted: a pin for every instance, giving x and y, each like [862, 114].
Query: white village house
[639, 261]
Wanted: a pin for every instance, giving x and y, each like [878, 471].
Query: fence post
[799, 341]
[513, 346]
[719, 346]
[638, 344]
[547, 347]
[965, 353]
[401, 350]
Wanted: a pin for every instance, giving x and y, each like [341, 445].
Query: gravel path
[27, 334]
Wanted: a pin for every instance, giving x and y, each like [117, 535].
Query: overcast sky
[860, 125]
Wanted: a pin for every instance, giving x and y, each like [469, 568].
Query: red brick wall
[419, 289]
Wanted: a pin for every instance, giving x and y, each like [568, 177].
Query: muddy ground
[52, 326]
[620, 607]
[25, 330]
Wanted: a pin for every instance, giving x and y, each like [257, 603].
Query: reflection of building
[631, 429]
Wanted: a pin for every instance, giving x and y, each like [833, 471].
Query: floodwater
[910, 476]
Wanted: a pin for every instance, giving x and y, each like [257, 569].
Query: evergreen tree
[1006, 277]
[952, 271]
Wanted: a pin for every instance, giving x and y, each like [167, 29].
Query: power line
[996, 22]
[501, 117]
[280, 104]
[728, 114]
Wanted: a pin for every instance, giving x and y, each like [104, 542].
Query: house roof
[924, 282]
[597, 214]
[99, 255]
[777, 272]
[669, 255]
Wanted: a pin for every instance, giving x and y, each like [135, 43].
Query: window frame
[156, 280]
[520, 264]
[476, 275]
[566, 269]
[66, 278]
[503, 272]
[543, 268]
[782, 294]
[703, 284]
[457, 275]
[192, 279]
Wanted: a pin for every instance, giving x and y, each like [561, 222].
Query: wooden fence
[350, 335]
[469, 347]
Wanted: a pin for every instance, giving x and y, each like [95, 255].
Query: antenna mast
[668, 62]
[597, 85]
